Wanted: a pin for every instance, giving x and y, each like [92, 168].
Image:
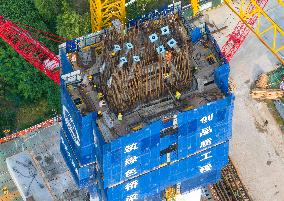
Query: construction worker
[100, 95]
[100, 114]
[119, 116]
[90, 77]
[178, 95]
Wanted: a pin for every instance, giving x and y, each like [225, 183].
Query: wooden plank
[267, 94]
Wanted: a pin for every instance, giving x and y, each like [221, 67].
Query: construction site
[184, 103]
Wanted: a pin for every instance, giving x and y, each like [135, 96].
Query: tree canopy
[48, 8]
[71, 24]
[141, 7]
[23, 84]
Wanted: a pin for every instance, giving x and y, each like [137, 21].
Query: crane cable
[45, 34]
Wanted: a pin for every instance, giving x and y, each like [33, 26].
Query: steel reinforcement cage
[143, 163]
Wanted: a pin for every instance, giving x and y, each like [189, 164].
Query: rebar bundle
[139, 74]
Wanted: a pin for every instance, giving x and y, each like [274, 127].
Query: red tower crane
[240, 33]
[31, 49]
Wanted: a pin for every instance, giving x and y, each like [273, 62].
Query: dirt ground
[257, 148]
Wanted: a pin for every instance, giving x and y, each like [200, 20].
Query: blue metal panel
[204, 180]
[199, 129]
[191, 144]
[185, 187]
[202, 166]
[221, 76]
[71, 46]
[66, 65]
[135, 144]
[79, 130]
[100, 145]
[81, 174]
[150, 16]
[71, 118]
[93, 190]
[76, 123]
[196, 34]
[85, 154]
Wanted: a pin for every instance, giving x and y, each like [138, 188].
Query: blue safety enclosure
[188, 148]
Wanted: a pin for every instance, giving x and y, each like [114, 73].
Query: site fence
[34, 128]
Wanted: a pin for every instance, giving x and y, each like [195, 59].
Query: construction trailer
[147, 113]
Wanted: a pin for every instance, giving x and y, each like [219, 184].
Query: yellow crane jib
[246, 10]
[104, 11]
[194, 6]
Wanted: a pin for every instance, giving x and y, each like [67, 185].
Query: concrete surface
[256, 149]
[26, 177]
[43, 147]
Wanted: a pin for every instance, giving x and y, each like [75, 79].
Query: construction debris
[262, 81]
[272, 94]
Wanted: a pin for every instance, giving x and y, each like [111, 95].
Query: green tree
[81, 6]
[141, 7]
[23, 84]
[49, 9]
[71, 24]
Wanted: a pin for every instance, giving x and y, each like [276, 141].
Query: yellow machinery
[8, 196]
[170, 194]
[195, 6]
[104, 11]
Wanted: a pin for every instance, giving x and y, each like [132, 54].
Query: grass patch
[275, 114]
[8, 115]
[19, 117]
[29, 115]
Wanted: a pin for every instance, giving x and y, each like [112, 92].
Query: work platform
[146, 109]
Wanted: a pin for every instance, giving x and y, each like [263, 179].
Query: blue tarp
[196, 34]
